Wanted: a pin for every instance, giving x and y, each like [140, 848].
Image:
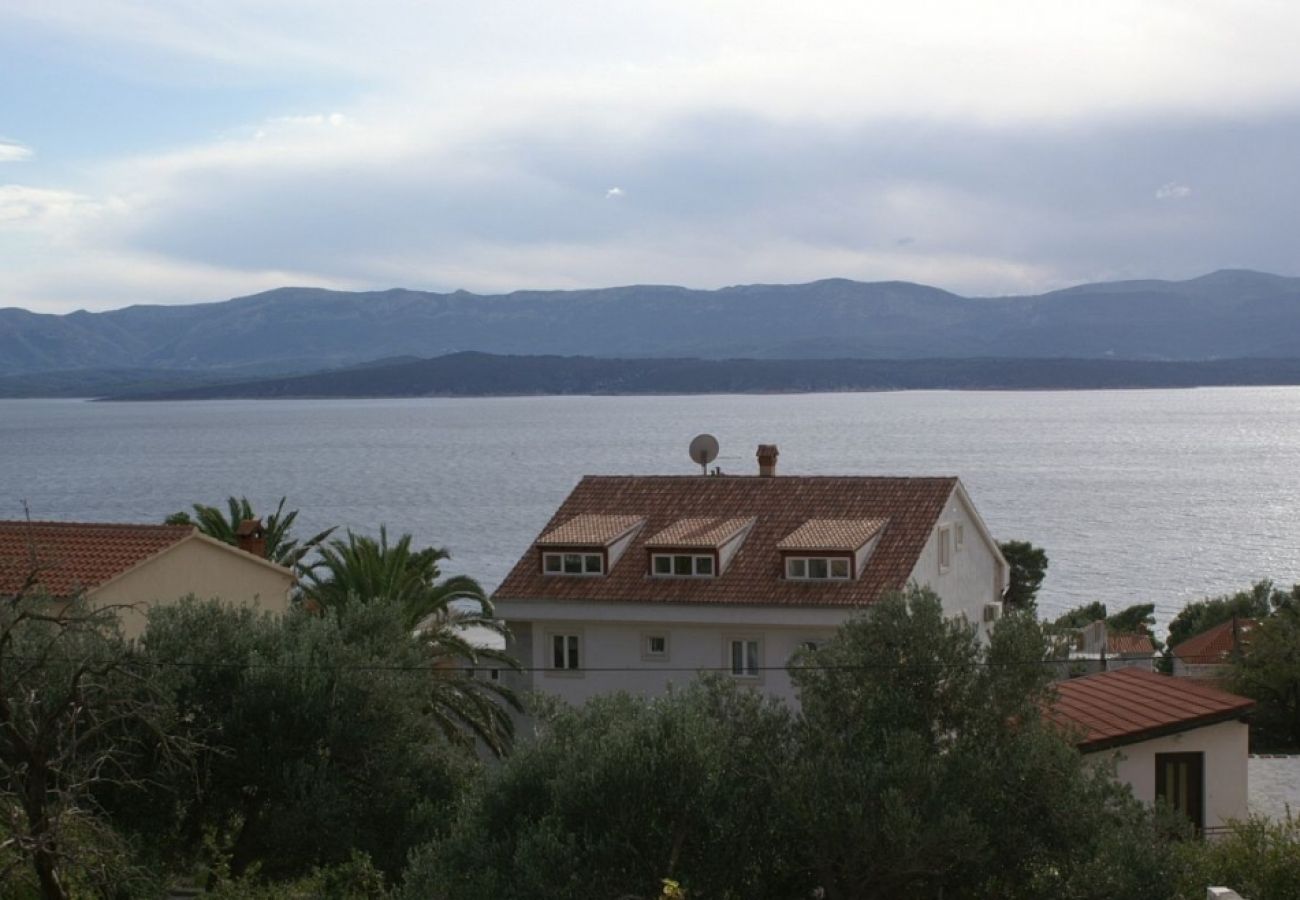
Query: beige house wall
[197, 567]
[1226, 750]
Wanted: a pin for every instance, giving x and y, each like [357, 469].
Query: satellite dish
[704, 450]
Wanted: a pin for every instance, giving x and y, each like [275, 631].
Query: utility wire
[506, 667]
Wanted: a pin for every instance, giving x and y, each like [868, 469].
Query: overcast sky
[184, 150]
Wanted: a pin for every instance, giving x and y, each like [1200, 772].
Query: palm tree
[280, 547]
[441, 613]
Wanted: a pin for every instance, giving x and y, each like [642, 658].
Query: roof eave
[1238, 714]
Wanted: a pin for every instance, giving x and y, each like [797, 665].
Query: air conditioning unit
[992, 612]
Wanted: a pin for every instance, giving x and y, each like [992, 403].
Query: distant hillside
[1229, 314]
[480, 374]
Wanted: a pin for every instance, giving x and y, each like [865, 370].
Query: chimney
[250, 537]
[767, 454]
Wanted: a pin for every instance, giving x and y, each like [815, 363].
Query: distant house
[1210, 653]
[1095, 648]
[1170, 738]
[640, 581]
[110, 563]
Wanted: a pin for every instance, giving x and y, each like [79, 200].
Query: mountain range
[1229, 314]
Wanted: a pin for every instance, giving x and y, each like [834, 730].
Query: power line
[464, 665]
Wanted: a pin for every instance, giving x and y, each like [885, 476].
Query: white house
[1171, 738]
[640, 581]
[117, 564]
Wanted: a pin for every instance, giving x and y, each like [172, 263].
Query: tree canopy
[1202, 615]
[1028, 568]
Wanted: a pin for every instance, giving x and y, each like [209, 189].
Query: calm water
[1160, 496]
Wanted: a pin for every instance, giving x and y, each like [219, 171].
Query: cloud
[13, 152]
[41, 207]
[444, 146]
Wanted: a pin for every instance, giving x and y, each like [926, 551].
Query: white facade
[1225, 761]
[611, 637]
[975, 578]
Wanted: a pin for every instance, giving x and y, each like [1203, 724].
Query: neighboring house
[111, 563]
[1210, 653]
[637, 582]
[1095, 648]
[1169, 738]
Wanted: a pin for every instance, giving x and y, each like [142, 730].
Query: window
[960, 539]
[682, 565]
[820, 568]
[564, 652]
[573, 564]
[945, 548]
[654, 647]
[743, 657]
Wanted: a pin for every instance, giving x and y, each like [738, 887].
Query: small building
[1171, 738]
[145, 565]
[1095, 648]
[640, 581]
[1210, 653]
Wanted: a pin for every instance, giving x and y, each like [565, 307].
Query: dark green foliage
[1139, 618]
[1269, 672]
[78, 714]
[409, 582]
[1202, 615]
[623, 792]
[1258, 858]
[1082, 615]
[1028, 569]
[919, 767]
[925, 769]
[322, 743]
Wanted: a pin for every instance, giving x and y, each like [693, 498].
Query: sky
[194, 150]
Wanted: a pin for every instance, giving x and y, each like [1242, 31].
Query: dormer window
[696, 565]
[587, 545]
[573, 563]
[817, 568]
[696, 547]
[829, 549]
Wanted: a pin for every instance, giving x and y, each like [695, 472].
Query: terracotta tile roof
[1124, 706]
[779, 506]
[708, 533]
[1215, 645]
[591, 530]
[831, 534]
[1130, 645]
[71, 557]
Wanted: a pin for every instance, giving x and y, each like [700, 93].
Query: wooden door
[1180, 782]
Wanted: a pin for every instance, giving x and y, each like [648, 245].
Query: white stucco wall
[975, 576]
[1226, 750]
[612, 639]
[199, 568]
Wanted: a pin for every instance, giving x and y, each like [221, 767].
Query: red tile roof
[589, 530]
[1215, 645]
[779, 505]
[1130, 645]
[703, 533]
[1125, 706]
[72, 557]
[847, 535]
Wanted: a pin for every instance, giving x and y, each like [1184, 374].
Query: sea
[1151, 496]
